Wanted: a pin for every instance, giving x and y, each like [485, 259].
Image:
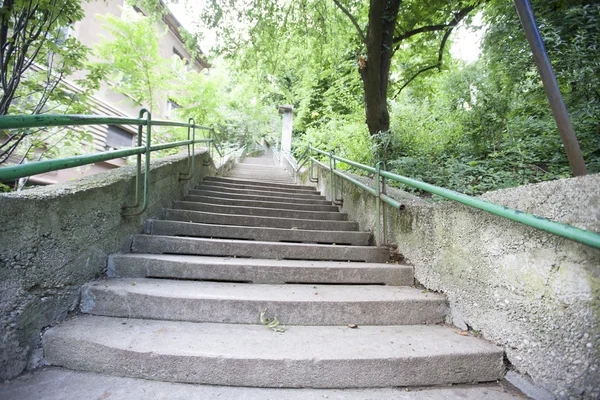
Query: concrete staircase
[184, 304]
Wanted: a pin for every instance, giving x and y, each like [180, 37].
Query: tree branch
[457, 18]
[412, 78]
[434, 28]
[345, 11]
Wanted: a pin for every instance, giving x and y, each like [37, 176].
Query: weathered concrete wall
[56, 238]
[536, 294]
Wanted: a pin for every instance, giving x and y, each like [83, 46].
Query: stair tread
[233, 302]
[260, 192]
[62, 384]
[283, 264]
[238, 354]
[260, 203]
[260, 185]
[195, 192]
[248, 210]
[266, 292]
[257, 270]
[256, 341]
[244, 181]
[233, 242]
[196, 229]
[254, 220]
[252, 248]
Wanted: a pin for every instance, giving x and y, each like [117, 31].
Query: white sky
[466, 42]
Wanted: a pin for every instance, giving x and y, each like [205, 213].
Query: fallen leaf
[463, 333]
[352, 326]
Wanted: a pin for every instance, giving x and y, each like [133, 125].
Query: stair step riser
[152, 352]
[267, 222]
[260, 212]
[277, 251]
[257, 271]
[178, 228]
[241, 181]
[270, 179]
[234, 196]
[263, 204]
[261, 192]
[258, 186]
[263, 176]
[103, 300]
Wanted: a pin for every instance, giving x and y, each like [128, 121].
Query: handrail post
[191, 155]
[310, 172]
[384, 207]
[378, 206]
[211, 149]
[332, 176]
[138, 169]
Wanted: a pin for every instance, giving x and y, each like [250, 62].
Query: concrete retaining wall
[536, 294]
[56, 238]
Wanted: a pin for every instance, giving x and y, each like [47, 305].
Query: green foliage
[37, 54]
[488, 125]
[132, 58]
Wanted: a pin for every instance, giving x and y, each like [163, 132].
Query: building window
[171, 107]
[117, 137]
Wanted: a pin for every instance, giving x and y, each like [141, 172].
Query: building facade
[108, 101]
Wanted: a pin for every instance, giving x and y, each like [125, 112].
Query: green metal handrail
[570, 232]
[144, 121]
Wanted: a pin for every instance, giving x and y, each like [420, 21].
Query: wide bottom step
[52, 383]
[253, 355]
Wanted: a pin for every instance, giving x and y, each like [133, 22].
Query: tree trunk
[375, 70]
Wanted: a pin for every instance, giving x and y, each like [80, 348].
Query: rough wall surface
[56, 238]
[536, 294]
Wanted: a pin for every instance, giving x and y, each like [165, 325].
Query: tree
[132, 59]
[391, 25]
[36, 54]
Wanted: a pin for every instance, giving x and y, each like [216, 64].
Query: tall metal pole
[561, 116]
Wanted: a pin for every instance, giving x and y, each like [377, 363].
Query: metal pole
[383, 212]
[561, 116]
[332, 176]
[378, 207]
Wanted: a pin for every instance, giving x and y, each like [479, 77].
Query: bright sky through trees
[466, 39]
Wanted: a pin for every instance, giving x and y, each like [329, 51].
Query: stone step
[257, 270]
[241, 196]
[180, 228]
[253, 249]
[227, 302]
[62, 384]
[259, 186]
[250, 220]
[259, 172]
[245, 181]
[272, 177]
[261, 192]
[253, 355]
[259, 211]
[263, 204]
